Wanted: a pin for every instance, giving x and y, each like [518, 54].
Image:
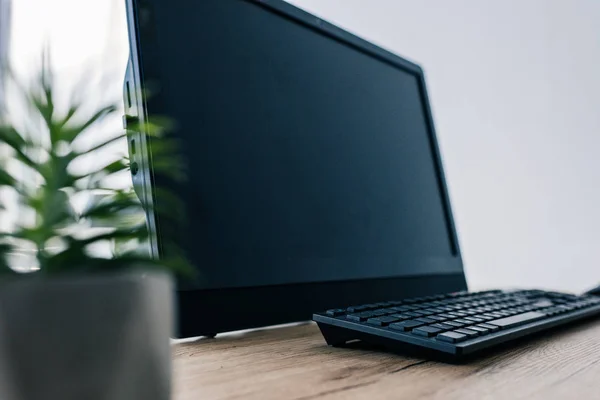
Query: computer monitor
[315, 178]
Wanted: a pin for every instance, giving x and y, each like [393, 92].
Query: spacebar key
[517, 320]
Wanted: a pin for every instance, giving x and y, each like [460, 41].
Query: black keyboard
[454, 325]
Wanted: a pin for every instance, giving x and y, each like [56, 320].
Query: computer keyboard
[454, 325]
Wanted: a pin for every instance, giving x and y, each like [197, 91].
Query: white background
[515, 91]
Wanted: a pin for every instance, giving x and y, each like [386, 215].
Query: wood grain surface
[294, 363]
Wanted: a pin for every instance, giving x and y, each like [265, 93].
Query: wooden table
[294, 363]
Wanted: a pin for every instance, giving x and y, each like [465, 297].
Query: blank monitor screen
[311, 160]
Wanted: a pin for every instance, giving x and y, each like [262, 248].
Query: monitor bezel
[211, 311]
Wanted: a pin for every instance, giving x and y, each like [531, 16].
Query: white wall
[515, 89]
[514, 86]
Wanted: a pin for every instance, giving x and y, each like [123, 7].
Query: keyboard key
[414, 313]
[335, 312]
[358, 317]
[468, 332]
[401, 308]
[357, 309]
[378, 313]
[444, 327]
[370, 307]
[406, 325]
[460, 314]
[518, 319]
[455, 324]
[475, 319]
[447, 316]
[481, 330]
[381, 321]
[562, 309]
[437, 318]
[427, 331]
[542, 303]
[412, 307]
[464, 321]
[401, 317]
[488, 315]
[426, 320]
[491, 327]
[452, 337]
[550, 312]
[436, 310]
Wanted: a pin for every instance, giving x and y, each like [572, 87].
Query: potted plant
[79, 324]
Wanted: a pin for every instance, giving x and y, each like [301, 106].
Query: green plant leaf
[166, 159]
[137, 232]
[111, 209]
[4, 265]
[180, 265]
[6, 179]
[46, 109]
[68, 116]
[73, 258]
[16, 141]
[56, 209]
[101, 145]
[103, 172]
[168, 205]
[154, 126]
[70, 133]
[42, 97]
[12, 137]
[35, 235]
[49, 202]
[59, 177]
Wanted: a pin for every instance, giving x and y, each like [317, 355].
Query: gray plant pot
[93, 337]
